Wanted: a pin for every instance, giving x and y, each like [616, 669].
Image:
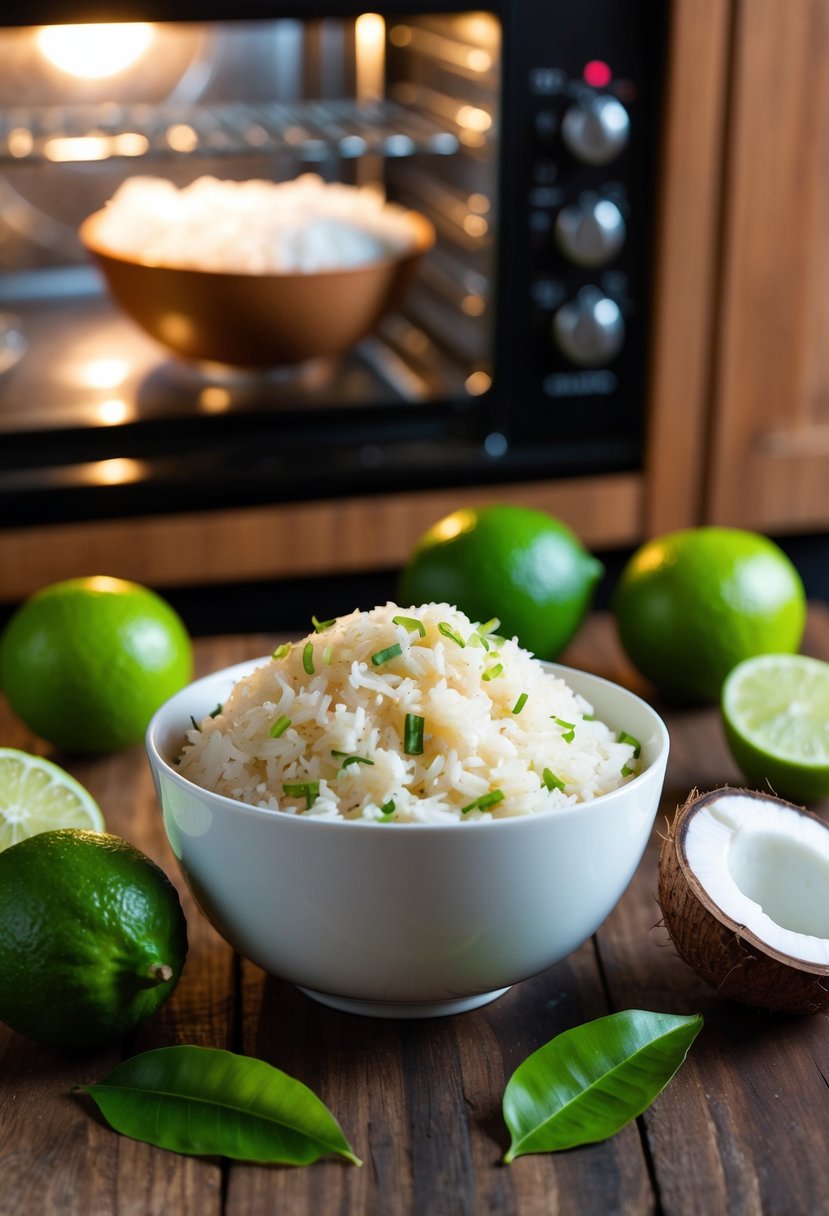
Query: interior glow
[214, 399]
[181, 137]
[96, 51]
[370, 56]
[473, 118]
[116, 472]
[105, 373]
[477, 383]
[95, 147]
[20, 142]
[112, 411]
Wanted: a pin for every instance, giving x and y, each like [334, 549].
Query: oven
[526, 132]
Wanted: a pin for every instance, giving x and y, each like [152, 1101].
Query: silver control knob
[597, 130]
[590, 232]
[589, 330]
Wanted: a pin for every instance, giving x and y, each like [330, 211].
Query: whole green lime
[92, 937]
[522, 566]
[692, 604]
[86, 662]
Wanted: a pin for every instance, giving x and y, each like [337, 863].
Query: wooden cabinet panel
[769, 450]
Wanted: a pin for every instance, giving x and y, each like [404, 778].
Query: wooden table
[741, 1130]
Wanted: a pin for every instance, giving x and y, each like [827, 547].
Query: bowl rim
[424, 238]
[236, 670]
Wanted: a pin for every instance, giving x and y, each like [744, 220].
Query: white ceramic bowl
[406, 920]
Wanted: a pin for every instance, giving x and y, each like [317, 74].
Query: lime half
[775, 711]
[37, 796]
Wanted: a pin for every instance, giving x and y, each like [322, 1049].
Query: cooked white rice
[321, 729]
[253, 227]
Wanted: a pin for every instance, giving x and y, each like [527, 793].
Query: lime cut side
[776, 717]
[37, 796]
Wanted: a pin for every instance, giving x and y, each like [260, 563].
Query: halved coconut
[744, 891]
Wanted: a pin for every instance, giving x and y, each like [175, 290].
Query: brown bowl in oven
[258, 320]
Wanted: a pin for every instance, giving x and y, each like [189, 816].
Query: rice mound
[321, 728]
[304, 226]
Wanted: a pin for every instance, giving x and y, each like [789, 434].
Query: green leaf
[587, 1083]
[203, 1101]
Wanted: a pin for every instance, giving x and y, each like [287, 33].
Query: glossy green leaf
[587, 1083]
[200, 1100]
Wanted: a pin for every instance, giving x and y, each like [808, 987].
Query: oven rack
[310, 130]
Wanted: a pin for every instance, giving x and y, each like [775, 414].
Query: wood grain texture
[687, 251]
[738, 1131]
[769, 455]
[296, 539]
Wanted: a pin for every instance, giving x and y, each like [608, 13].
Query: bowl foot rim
[404, 1009]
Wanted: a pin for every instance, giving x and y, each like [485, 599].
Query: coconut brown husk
[728, 955]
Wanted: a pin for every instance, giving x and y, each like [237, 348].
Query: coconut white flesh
[767, 867]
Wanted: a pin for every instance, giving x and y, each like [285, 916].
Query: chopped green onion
[302, 789]
[321, 626]
[489, 625]
[551, 781]
[568, 729]
[484, 801]
[627, 771]
[478, 639]
[195, 723]
[347, 758]
[624, 737]
[413, 735]
[493, 672]
[588, 717]
[281, 651]
[410, 622]
[327, 655]
[520, 703]
[449, 632]
[497, 639]
[383, 656]
[308, 658]
[214, 713]
[387, 808]
[279, 727]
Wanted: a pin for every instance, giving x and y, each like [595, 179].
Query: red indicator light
[597, 73]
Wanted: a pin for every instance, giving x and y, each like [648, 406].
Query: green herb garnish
[195, 723]
[321, 626]
[568, 729]
[279, 727]
[308, 790]
[388, 808]
[627, 771]
[214, 713]
[281, 651]
[413, 734]
[327, 655]
[448, 632]
[308, 658]
[520, 703]
[489, 625]
[551, 781]
[484, 801]
[347, 759]
[410, 622]
[383, 656]
[624, 737]
[493, 672]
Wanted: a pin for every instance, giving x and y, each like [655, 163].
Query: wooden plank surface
[739, 1131]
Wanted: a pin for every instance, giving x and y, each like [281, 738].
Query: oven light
[112, 412]
[369, 56]
[116, 472]
[475, 225]
[473, 119]
[105, 373]
[94, 51]
[95, 147]
[477, 383]
[214, 400]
